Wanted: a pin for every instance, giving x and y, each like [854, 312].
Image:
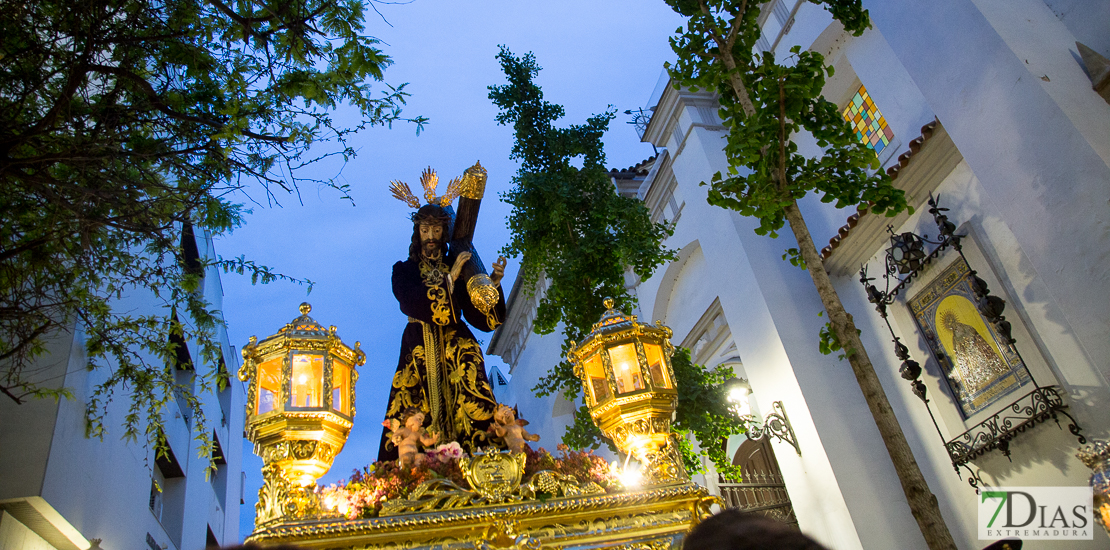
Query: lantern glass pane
[595, 373]
[308, 379]
[340, 386]
[626, 368]
[656, 366]
[269, 384]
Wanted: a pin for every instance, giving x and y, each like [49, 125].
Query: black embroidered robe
[441, 369]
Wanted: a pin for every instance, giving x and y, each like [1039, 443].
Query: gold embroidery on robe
[410, 391]
[433, 277]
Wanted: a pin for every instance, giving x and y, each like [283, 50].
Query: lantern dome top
[304, 326]
[612, 320]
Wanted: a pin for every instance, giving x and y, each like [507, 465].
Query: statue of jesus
[441, 369]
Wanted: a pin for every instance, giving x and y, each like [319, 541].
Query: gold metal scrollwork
[503, 533]
[664, 465]
[437, 494]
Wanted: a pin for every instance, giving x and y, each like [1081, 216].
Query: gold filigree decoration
[272, 495]
[407, 381]
[482, 292]
[494, 478]
[654, 544]
[302, 449]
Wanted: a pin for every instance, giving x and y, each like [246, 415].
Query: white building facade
[60, 489]
[989, 107]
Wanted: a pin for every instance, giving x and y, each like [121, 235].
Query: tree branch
[730, 38]
[156, 100]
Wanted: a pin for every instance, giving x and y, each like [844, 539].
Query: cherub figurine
[510, 430]
[406, 436]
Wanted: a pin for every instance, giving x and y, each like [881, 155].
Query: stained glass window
[867, 121]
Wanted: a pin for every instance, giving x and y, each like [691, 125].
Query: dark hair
[429, 214]
[734, 529]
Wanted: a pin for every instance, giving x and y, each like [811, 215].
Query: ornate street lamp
[300, 406]
[775, 423]
[906, 252]
[629, 389]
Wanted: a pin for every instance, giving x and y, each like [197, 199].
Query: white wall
[102, 488]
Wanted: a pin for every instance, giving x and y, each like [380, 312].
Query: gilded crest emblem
[494, 475]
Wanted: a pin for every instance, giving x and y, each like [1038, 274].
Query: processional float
[301, 408]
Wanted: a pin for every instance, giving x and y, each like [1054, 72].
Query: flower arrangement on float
[363, 494]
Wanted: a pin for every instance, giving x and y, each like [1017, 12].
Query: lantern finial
[305, 308]
[608, 303]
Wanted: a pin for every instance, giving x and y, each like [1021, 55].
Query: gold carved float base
[654, 518]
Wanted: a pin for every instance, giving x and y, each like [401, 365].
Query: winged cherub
[407, 433]
[510, 429]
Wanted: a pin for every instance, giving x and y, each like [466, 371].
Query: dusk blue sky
[593, 53]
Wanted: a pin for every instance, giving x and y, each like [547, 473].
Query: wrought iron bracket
[996, 432]
[775, 423]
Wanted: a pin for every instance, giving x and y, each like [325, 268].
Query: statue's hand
[498, 270]
[460, 261]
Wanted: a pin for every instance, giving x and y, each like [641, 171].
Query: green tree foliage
[703, 412]
[569, 225]
[577, 236]
[780, 101]
[126, 123]
[764, 105]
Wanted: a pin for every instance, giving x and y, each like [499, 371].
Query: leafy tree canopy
[577, 237]
[775, 102]
[126, 123]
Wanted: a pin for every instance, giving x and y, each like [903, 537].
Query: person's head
[429, 232]
[734, 529]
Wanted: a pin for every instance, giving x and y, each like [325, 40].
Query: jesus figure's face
[431, 240]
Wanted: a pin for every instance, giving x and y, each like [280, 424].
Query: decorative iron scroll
[904, 261]
[996, 432]
[775, 424]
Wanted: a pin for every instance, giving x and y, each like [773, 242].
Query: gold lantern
[300, 407]
[629, 388]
